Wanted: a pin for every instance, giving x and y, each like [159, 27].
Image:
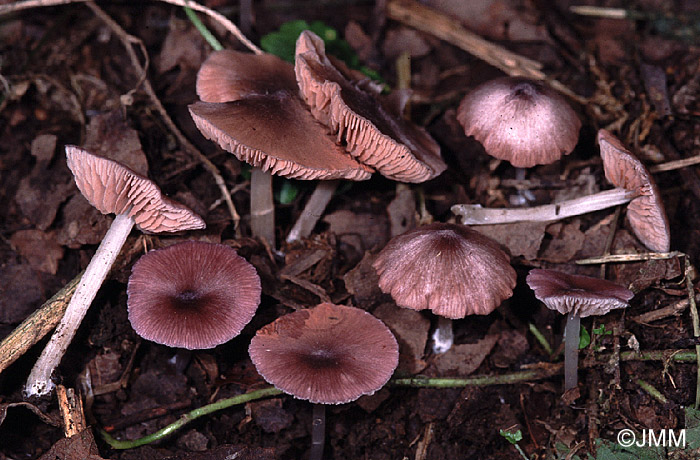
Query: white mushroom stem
[262, 206]
[474, 214]
[39, 382]
[571, 340]
[313, 210]
[318, 432]
[443, 335]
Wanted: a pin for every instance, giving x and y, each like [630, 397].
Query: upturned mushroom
[577, 297]
[444, 268]
[633, 184]
[250, 106]
[329, 354]
[111, 188]
[520, 120]
[192, 295]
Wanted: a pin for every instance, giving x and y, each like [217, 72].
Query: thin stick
[624, 258]
[218, 17]
[36, 325]
[689, 269]
[540, 338]
[476, 215]
[127, 40]
[675, 164]
[313, 210]
[71, 407]
[651, 389]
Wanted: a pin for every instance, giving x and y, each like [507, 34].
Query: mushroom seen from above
[633, 184]
[577, 297]
[328, 354]
[111, 188]
[192, 295]
[447, 268]
[520, 120]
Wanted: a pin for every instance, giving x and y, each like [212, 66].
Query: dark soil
[67, 79]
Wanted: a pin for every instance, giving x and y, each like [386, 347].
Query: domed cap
[113, 188]
[448, 268]
[192, 295]
[645, 213]
[396, 148]
[580, 295]
[252, 109]
[520, 120]
[329, 354]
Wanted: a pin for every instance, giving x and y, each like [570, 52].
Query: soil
[67, 78]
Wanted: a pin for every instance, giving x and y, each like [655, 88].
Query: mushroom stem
[443, 335]
[318, 432]
[39, 382]
[571, 339]
[262, 207]
[313, 210]
[474, 214]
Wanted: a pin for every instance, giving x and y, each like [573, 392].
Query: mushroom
[577, 297]
[633, 184]
[519, 120]
[450, 269]
[250, 106]
[192, 295]
[373, 133]
[329, 354]
[111, 188]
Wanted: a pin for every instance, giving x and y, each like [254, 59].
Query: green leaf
[584, 339]
[287, 192]
[511, 436]
[600, 330]
[608, 450]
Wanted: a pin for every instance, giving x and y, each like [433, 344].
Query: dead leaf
[462, 360]
[404, 40]
[20, 292]
[79, 447]
[567, 240]
[512, 344]
[269, 415]
[402, 212]
[372, 229]
[41, 249]
[411, 331]
[363, 282]
[109, 136]
[82, 223]
[521, 238]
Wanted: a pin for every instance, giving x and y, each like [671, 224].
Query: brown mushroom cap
[329, 354]
[448, 268]
[580, 295]
[192, 295]
[113, 188]
[252, 109]
[646, 213]
[396, 148]
[520, 120]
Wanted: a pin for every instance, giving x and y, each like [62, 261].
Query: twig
[218, 17]
[127, 40]
[675, 309]
[187, 418]
[651, 389]
[71, 407]
[452, 31]
[36, 325]
[540, 338]
[623, 258]
[689, 270]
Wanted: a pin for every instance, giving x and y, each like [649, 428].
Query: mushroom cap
[113, 188]
[329, 354]
[645, 213]
[520, 120]
[192, 295]
[227, 76]
[251, 108]
[448, 268]
[577, 294]
[396, 148]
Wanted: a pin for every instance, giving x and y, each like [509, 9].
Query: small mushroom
[192, 295]
[519, 120]
[576, 296]
[329, 354]
[250, 106]
[633, 183]
[111, 188]
[450, 269]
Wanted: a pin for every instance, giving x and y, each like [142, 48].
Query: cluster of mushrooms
[318, 120]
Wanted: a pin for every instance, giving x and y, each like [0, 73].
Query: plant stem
[472, 214]
[649, 388]
[696, 322]
[571, 339]
[199, 25]
[313, 210]
[262, 206]
[39, 382]
[188, 417]
[318, 431]
[540, 338]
